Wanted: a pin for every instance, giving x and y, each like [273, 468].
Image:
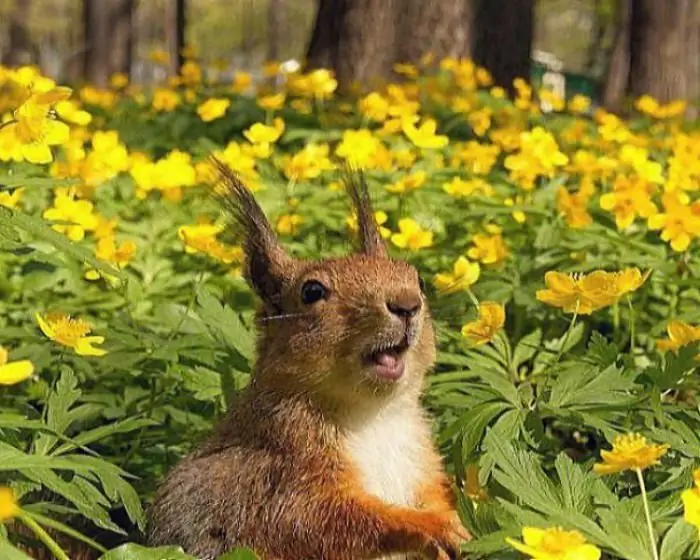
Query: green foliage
[521, 418]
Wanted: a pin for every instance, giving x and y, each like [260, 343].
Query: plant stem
[43, 536]
[647, 513]
[633, 325]
[560, 352]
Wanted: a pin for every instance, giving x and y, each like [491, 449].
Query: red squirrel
[327, 454]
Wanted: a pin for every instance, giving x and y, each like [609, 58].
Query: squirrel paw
[445, 543]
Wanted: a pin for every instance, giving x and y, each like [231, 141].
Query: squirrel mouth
[387, 360]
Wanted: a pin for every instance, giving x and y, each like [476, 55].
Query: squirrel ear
[371, 241]
[267, 264]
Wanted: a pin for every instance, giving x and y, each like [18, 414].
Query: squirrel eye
[421, 283]
[313, 291]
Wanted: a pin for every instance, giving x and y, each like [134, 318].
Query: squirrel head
[343, 329]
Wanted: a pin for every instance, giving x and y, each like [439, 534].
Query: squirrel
[327, 453]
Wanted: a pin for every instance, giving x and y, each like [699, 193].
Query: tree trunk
[275, 29]
[617, 75]
[503, 42]
[175, 33]
[123, 36]
[362, 39]
[108, 31]
[21, 50]
[658, 48]
[442, 28]
[693, 59]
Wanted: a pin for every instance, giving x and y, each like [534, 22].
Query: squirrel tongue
[388, 366]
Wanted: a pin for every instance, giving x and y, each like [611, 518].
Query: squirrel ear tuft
[371, 241]
[267, 264]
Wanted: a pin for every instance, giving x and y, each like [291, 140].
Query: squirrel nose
[404, 307]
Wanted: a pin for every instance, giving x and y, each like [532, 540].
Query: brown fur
[277, 475]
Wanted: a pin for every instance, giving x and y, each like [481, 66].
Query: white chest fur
[388, 449]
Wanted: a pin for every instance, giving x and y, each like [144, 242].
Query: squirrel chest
[388, 451]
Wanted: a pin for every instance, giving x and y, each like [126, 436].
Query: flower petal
[84, 346]
[16, 372]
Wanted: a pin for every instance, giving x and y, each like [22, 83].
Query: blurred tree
[275, 28]
[175, 33]
[656, 52]
[658, 48]
[503, 41]
[616, 76]
[362, 39]
[107, 26]
[21, 50]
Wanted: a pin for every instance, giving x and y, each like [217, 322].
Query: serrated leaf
[224, 324]
[137, 552]
[677, 540]
[239, 554]
[9, 552]
[39, 230]
[526, 348]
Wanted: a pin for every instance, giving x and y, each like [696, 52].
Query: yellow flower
[36, 131]
[318, 83]
[480, 121]
[680, 334]
[691, 502]
[78, 214]
[213, 109]
[308, 163]
[241, 82]
[492, 317]
[288, 224]
[61, 328]
[460, 188]
[579, 103]
[374, 106]
[539, 156]
[408, 183]
[578, 293]
[11, 199]
[554, 543]
[260, 133]
[423, 136]
[159, 56]
[107, 250]
[630, 452]
[272, 102]
[585, 293]
[464, 275]
[191, 73]
[380, 217]
[11, 373]
[680, 221]
[412, 236]
[489, 249]
[9, 507]
[165, 99]
[71, 112]
[574, 208]
[358, 147]
[119, 80]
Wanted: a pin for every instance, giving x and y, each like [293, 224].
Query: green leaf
[526, 348]
[9, 552]
[224, 324]
[239, 554]
[39, 230]
[138, 552]
[677, 540]
[601, 352]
